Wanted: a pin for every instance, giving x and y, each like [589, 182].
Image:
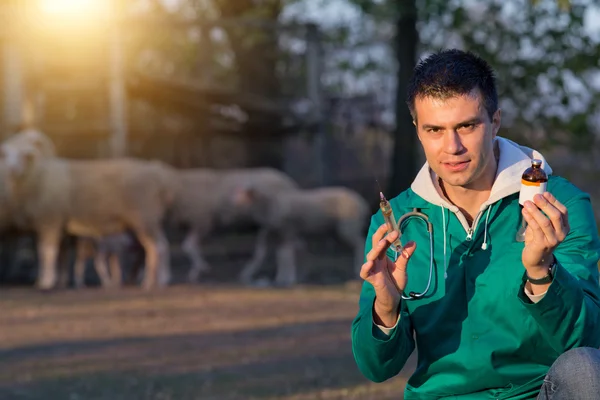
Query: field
[208, 341]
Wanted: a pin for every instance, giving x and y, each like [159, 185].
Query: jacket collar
[513, 160]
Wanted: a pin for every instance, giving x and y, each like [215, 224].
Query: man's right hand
[388, 278]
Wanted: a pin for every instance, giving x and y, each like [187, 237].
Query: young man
[501, 319]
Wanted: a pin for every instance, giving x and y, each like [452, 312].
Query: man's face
[457, 137]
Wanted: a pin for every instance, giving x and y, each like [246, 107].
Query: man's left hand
[544, 232]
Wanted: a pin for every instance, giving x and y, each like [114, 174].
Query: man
[501, 319]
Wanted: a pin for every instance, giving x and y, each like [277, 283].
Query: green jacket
[478, 334]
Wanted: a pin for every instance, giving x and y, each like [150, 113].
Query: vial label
[530, 189]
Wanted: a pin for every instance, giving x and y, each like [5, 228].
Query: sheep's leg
[116, 274]
[260, 252]
[359, 255]
[137, 263]
[62, 261]
[164, 257]
[351, 235]
[102, 268]
[191, 248]
[157, 269]
[48, 245]
[152, 260]
[62, 265]
[286, 263]
[79, 267]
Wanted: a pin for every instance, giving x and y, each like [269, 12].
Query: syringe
[390, 221]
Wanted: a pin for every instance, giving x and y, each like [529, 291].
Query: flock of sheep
[108, 204]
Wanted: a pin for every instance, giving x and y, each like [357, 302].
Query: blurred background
[313, 89]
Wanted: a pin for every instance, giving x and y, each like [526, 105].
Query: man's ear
[496, 121]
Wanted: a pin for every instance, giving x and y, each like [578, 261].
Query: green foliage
[544, 61]
[543, 57]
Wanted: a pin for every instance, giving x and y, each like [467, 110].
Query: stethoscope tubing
[424, 218]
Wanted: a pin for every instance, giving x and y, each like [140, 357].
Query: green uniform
[478, 334]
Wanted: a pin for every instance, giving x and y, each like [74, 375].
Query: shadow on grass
[286, 362]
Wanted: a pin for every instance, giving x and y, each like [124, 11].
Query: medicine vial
[533, 181]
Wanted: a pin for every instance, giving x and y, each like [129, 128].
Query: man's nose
[452, 142]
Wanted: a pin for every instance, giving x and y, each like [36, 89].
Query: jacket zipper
[470, 234]
[472, 228]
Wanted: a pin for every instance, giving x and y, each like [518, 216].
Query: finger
[405, 255]
[544, 223]
[555, 215]
[562, 208]
[543, 231]
[378, 235]
[365, 270]
[554, 201]
[378, 251]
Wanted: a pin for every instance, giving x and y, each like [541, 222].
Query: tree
[404, 17]
[404, 159]
[545, 62]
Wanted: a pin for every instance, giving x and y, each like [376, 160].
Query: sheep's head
[239, 204]
[243, 196]
[35, 138]
[20, 153]
[19, 161]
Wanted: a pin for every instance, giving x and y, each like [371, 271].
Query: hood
[513, 160]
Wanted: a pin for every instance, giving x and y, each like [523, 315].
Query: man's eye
[433, 130]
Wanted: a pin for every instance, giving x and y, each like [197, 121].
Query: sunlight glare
[74, 8]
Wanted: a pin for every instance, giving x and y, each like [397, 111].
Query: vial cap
[536, 163]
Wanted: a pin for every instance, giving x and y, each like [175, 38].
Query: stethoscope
[423, 217]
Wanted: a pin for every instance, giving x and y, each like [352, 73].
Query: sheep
[90, 198]
[199, 205]
[305, 212]
[84, 247]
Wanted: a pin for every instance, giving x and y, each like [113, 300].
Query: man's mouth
[456, 165]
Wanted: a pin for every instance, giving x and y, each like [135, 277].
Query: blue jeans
[575, 375]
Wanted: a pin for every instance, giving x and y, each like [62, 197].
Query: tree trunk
[404, 159]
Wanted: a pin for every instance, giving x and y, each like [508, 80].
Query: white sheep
[199, 205]
[91, 198]
[304, 212]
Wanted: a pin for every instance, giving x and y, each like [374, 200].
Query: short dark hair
[453, 72]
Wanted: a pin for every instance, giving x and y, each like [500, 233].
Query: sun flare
[73, 8]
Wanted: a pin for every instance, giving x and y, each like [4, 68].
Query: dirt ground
[206, 341]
